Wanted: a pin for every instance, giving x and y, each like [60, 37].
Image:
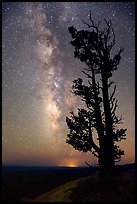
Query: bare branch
[109, 24]
[90, 83]
[86, 23]
[93, 24]
[86, 69]
[99, 87]
[112, 93]
[113, 42]
[121, 50]
[115, 106]
[89, 76]
[106, 35]
[96, 148]
[88, 164]
[91, 18]
[109, 84]
[95, 154]
[98, 23]
[112, 103]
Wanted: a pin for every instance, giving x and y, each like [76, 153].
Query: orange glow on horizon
[70, 164]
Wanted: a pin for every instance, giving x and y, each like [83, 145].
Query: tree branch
[89, 107]
[112, 93]
[113, 42]
[109, 24]
[95, 154]
[115, 106]
[86, 23]
[93, 24]
[96, 148]
[117, 119]
[88, 164]
[89, 76]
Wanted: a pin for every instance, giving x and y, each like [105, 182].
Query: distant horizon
[22, 165]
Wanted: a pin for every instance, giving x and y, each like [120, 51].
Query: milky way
[38, 68]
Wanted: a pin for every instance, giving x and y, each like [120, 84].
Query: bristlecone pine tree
[93, 47]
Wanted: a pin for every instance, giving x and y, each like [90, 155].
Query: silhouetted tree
[93, 47]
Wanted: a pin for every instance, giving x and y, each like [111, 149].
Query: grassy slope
[92, 189]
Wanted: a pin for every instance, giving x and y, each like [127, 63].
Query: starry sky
[38, 68]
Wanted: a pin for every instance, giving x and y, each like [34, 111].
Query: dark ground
[20, 182]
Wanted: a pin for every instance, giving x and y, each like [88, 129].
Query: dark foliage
[93, 47]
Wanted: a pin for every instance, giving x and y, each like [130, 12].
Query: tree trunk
[108, 145]
[106, 158]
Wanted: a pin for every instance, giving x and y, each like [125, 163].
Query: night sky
[38, 68]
